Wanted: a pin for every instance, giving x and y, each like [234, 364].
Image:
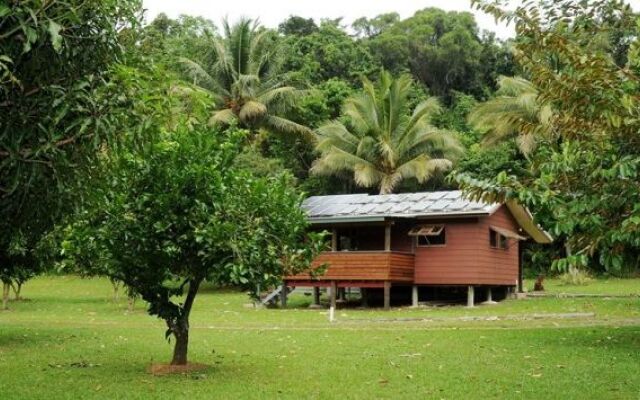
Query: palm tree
[381, 142]
[515, 113]
[245, 80]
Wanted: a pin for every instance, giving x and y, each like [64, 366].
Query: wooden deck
[391, 266]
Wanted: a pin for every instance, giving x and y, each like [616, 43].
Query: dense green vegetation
[72, 340]
[142, 151]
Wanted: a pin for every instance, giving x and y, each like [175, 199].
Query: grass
[614, 286]
[70, 340]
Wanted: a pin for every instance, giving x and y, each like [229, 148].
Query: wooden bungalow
[431, 239]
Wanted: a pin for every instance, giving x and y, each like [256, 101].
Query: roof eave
[379, 218]
[526, 222]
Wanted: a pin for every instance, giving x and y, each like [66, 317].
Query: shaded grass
[71, 341]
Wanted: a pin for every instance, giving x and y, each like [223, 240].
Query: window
[499, 237]
[429, 235]
[497, 240]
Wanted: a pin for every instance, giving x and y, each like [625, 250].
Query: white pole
[414, 296]
[470, 295]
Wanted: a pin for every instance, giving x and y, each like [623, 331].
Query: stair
[273, 296]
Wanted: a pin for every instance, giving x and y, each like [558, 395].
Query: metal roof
[371, 208]
[364, 207]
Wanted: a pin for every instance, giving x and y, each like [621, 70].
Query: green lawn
[596, 286]
[71, 341]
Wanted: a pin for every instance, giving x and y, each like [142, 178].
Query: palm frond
[223, 117]
[517, 112]
[383, 143]
[280, 99]
[336, 160]
[336, 134]
[252, 110]
[287, 127]
[195, 73]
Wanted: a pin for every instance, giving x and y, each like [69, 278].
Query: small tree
[165, 221]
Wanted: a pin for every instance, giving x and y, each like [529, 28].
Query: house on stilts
[418, 243]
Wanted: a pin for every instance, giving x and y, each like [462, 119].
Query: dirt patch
[168, 369]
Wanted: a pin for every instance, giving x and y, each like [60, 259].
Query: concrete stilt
[341, 295]
[387, 295]
[489, 300]
[470, 296]
[316, 298]
[332, 303]
[414, 296]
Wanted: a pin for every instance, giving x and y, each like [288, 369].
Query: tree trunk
[180, 328]
[116, 286]
[17, 288]
[132, 303]
[5, 295]
[181, 347]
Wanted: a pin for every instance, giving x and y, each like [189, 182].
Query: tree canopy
[57, 109]
[588, 180]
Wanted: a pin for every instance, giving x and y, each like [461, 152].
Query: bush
[575, 277]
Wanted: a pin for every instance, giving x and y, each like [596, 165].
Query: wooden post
[316, 296]
[470, 296]
[387, 295]
[332, 296]
[334, 240]
[414, 296]
[520, 262]
[283, 296]
[363, 296]
[387, 237]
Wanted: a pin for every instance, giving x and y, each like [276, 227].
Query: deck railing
[363, 265]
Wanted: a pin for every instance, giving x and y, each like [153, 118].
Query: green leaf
[4, 10]
[54, 31]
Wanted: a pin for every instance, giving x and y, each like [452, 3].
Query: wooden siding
[363, 265]
[400, 240]
[467, 257]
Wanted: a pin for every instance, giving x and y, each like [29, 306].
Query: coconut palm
[382, 142]
[245, 80]
[515, 113]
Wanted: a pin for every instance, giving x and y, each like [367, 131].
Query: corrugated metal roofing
[363, 206]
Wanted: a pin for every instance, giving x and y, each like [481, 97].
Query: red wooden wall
[467, 257]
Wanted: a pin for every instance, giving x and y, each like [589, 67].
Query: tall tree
[516, 112]
[295, 25]
[589, 181]
[56, 59]
[366, 27]
[326, 54]
[441, 49]
[168, 40]
[246, 80]
[381, 142]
